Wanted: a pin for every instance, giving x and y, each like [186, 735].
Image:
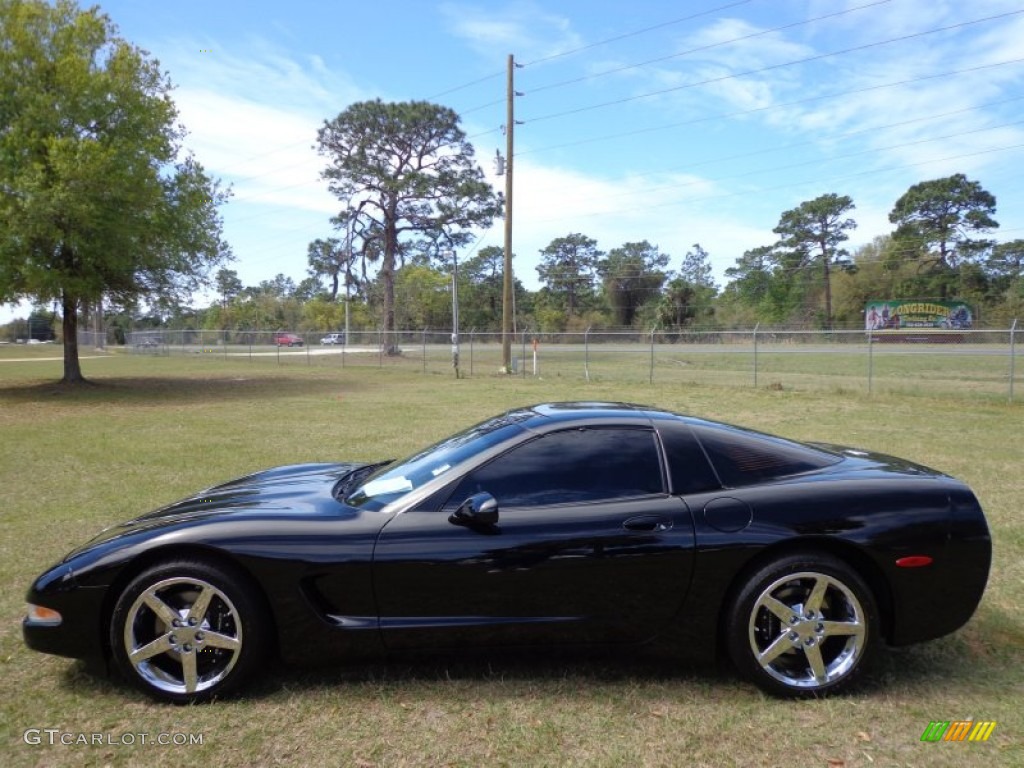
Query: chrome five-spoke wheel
[186, 631]
[802, 626]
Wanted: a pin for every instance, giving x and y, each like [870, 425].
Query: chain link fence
[969, 362]
[94, 339]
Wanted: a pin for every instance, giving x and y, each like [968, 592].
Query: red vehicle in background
[288, 340]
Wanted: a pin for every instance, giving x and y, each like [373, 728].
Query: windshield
[394, 481]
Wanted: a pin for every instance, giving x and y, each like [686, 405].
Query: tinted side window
[578, 465]
[687, 465]
[742, 457]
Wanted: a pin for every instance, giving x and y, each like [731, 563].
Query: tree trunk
[387, 275]
[828, 294]
[72, 368]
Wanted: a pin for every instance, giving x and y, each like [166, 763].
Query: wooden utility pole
[506, 297]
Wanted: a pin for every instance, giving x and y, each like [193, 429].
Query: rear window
[742, 457]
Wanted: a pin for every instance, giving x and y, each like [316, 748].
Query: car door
[588, 547]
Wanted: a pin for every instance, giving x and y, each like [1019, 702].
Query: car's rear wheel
[803, 625]
[188, 631]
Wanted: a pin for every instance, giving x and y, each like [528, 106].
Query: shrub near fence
[975, 362]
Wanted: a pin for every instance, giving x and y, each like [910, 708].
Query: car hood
[291, 491]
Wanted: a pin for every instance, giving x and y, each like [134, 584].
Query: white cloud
[252, 119]
[523, 28]
[672, 211]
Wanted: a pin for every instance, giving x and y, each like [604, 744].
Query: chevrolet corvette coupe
[557, 525]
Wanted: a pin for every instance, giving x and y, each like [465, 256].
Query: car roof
[549, 415]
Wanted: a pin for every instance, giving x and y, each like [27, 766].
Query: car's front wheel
[188, 631]
[803, 625]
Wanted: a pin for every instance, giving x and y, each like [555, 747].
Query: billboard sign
[913, 313]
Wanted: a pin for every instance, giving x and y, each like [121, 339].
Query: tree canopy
[633, 274]
[689, 296]
[567, 268]
[811, 234]
[99, 200]
[942, 214]
[408, 179]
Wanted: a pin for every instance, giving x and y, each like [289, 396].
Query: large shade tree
[936, 226]
[689, 297]
[937, 223]
[567, 269]
[750, 279]
[937, 218]
[407, 176]
[632, 274]
[483, 276]
[811, 234]
[99, 201]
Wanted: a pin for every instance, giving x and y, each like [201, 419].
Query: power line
[244, 197]
[616, 70]
[637, 32]
[589, 46]
[782, 105]
[491, 131]
[816, 161]
[818, 181]
[769, 68]
[471, 83]
[707, 47]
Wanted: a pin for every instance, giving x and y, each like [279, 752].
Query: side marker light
[914, 561]
[38, 614]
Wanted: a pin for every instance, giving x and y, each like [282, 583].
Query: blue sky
[674, 122]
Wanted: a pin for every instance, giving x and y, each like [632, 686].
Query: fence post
[471, 332]
[1013, 331]
[650, 377]
[425, 350]
[871, 362]
[523, 366]
[758, 325]
[586, 353]
[380, 347]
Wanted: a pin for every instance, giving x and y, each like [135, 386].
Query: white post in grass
[1013, 330]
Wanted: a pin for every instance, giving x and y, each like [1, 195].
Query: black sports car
[561, 524]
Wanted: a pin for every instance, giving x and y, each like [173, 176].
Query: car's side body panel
[604, 572]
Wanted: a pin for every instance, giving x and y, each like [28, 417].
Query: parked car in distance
[333, 338]
[552, 526]
[288, 340]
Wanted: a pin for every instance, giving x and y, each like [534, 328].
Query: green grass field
[154, 428]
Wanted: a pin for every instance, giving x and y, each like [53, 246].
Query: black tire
[803, 626]
[201, 629]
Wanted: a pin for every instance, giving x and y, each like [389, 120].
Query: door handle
[648, 523]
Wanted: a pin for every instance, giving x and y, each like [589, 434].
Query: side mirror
[478, 509]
